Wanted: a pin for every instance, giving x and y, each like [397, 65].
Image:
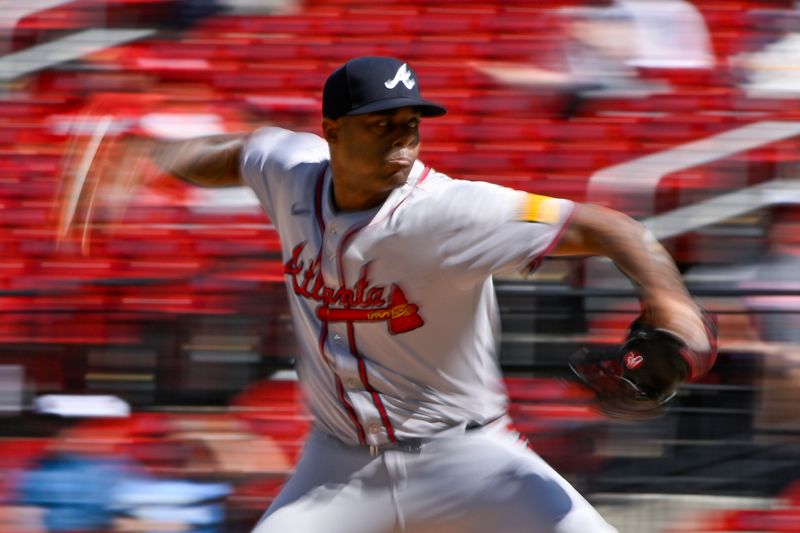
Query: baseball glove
[636, 380]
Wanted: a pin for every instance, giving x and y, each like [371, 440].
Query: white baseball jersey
[394, 307]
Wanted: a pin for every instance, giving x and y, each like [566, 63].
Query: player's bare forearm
[596, 230]
[205, 161]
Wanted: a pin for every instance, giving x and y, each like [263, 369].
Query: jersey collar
[330, 214]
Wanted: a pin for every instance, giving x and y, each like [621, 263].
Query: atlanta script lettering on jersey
[363, 303]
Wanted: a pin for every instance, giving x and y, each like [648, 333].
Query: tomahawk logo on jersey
[364, 302]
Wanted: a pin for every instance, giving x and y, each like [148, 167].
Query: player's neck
[348, 198]
[355, 191]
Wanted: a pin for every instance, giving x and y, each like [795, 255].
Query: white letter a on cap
[404, 75]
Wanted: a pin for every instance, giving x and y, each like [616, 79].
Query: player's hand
[636, 380]
[102, 172]
[675, 313]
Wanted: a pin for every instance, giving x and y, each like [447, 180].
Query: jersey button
[352, 384]
[374, 430]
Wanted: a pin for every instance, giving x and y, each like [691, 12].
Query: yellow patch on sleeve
[543, 209]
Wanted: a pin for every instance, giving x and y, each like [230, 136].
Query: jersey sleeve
[487, 229]
[270, 157]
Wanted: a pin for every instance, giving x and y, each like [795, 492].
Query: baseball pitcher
[388, 264]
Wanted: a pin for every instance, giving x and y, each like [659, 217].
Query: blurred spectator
[233, 447]
[772, 68]
[777, 319]
[765, 321]
[147, 504]
[667, 34]
[774, 71]
[595, 53]
[75, 482]
[87, 482]
[608, 45]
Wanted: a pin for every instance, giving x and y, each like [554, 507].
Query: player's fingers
[74, 195]
[121, 172]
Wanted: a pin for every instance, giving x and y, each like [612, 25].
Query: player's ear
[331, 130]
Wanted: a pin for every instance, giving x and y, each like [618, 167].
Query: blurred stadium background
[146, 351]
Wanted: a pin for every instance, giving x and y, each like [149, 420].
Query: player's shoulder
[442, 188]
[445, 200]
[285, 147]
[439, 203]
[276, 159]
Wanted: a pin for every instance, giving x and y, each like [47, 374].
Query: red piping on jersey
[318, 204]
[362, 438]
[323, 334]
[536, 261]
[362, 367]
[351, 335]
[425, 172]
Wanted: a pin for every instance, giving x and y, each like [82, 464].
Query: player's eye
[382, 123]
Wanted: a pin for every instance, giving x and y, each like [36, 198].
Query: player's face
[377, 149]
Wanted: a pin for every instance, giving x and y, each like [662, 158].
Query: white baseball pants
[481, 481]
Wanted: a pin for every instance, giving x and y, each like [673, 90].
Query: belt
[414, 445]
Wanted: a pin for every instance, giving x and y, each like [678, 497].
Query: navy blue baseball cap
[370, 84]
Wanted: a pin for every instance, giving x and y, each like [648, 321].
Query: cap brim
[427, 108]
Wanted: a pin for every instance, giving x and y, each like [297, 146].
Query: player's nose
[406, 136]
